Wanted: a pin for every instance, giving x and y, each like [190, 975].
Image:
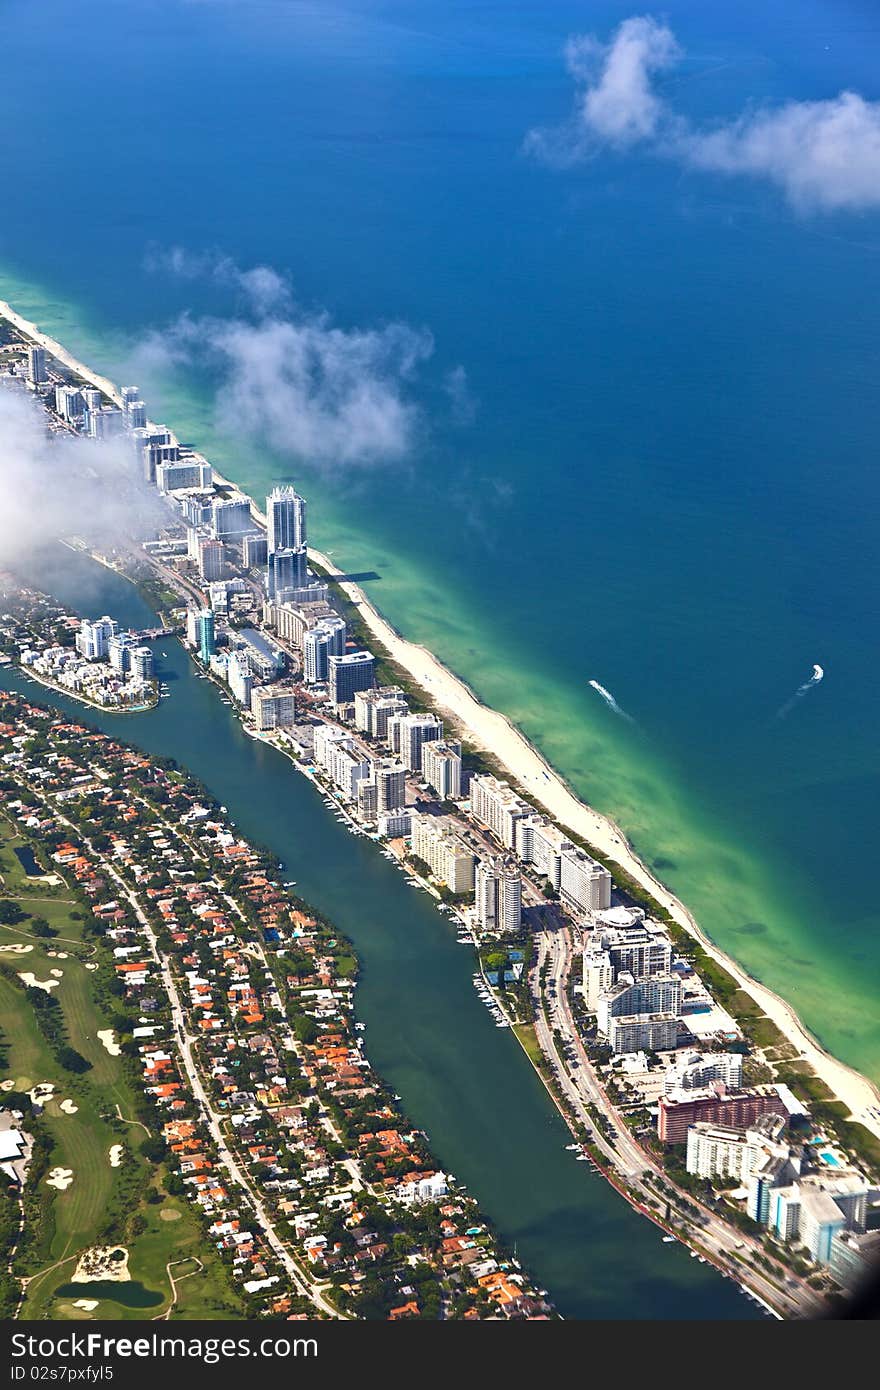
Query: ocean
[662, 475]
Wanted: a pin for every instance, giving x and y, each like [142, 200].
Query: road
[580, 1086]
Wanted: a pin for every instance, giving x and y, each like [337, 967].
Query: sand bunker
[102, 1262]
[57, 973]
[16, 948]
[68, 1107]
[107, 1038]
[33, 983]
[40, 1093]
[91, 965]
[88, 1305]
[116, 1152]
[7, 1085]
[169, 1214]
[60, 1178]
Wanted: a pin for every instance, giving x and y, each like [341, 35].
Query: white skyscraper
[415, 731]
[498, 896]
[93, 638]
[441, 768]
[285, 519]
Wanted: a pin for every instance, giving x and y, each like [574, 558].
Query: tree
[40, 927]
[10, 913]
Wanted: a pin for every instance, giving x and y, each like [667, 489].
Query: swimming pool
[828, 1157]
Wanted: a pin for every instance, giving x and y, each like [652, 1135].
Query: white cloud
[822, 155]
[301, 385]
[61, 485]
[264, 289]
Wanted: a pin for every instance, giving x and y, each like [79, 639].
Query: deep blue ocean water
[668, 482]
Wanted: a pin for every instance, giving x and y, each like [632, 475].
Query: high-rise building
[93, 638]
[659, 994]
[642, 1032]
[373, 708]
[715, 1105]
[135, 413]
[584, 884]
[441, 768]
[69, 403]
[273, 706]
[541, 843]
[496, 804]
[390, 779]
[498, 896]
[285, 572]
[285, 520]
[350, 673]
[598, 977]
[212, 559]
[319, 643]
[241, 681]
[36, 368]
[696, 1070]
[108, 422]
[206, 637]
[415, 731]
[448, 856]
[142, 664]
[231, 517]
[253, 550]
[181, 473]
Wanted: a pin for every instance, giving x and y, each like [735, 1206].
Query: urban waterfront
[487, 1115]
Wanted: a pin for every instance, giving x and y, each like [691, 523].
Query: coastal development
[694, 1090]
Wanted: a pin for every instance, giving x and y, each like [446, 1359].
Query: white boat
[669, 1240]
[582, 1158]
[572, 1148]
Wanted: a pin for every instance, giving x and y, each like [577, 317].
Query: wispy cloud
[822, 155]
[293, 379]
[60, 485]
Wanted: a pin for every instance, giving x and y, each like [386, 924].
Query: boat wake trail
[611, 702]
[802, 690]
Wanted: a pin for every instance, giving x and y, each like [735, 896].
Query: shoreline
[496, 734]
[28, 674]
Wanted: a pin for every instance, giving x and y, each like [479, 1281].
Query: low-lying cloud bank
[824, 156]
[60, 485]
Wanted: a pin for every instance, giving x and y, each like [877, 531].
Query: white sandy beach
[494, 733]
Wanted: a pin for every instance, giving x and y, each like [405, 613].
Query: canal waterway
[463, 1080]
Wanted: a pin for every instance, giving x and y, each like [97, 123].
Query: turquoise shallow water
[668, 483]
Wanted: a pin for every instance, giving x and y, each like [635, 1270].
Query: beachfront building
[659, 994]
[541, 843]
[642, 1033]
[391, 825]
[722, 1151]
[373, 708]
[231, 517]
[273, 707]
[182, 474]
[325, 639]
[497, 896]
[349, 673]
[415, 730]
[695, 1070]
[285, 520]
[584, 884]
[36, 365]
[446, 854]
[286, 573]
[345, 763]
[497, 806]
[441, 768]
[390, 778]
[92, 639]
